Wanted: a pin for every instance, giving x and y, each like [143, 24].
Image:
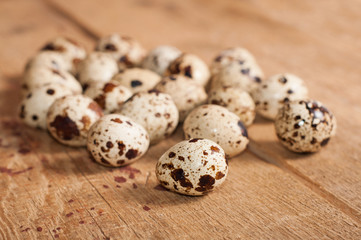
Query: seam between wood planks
[58, 10]
[315, 187]
[305, 180]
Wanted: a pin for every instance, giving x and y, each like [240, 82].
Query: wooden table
[50, 191]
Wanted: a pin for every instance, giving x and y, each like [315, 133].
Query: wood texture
[51, 191]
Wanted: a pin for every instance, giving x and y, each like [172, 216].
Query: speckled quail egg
[70, 117]
[97, 67]
[38, 76]
[47, 59]
[71, 51]
[35, 105]
[155, 111]
[160, 57]
[246, 75]
[191, 66]
[110, 96]
[278, 89]
[115, 140]
[305, 125]
[125, 50]
[235, 100]
[235, 54]
[192, 167]
[219, 125]
[185, 93]
[137, 79]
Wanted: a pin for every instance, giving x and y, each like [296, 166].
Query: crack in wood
[58, 10]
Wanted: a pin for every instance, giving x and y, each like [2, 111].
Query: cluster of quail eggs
[118, 100]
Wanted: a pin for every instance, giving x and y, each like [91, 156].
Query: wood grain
[51, 191]
[326, 61]
[66, 190]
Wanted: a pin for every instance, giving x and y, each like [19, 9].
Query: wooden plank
[25, 26]
[62, 185]
[71, 197]
[328, 64]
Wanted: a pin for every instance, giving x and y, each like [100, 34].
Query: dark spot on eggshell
[282, 80]
[85, 86]
[50, 91]
[103, 160]
[219, 175]
[100, 100]
[157, 92]
[129, 123]
[325, 141]
[117, 120]
[164, 183]
[257, 79]
[195, 140]
[103, 149]
[53, 47]
[120, 162]
[65, 127]
[96, 108]
[172, 78]
[157, 115]
[131, 153]
[110, 47]
[109, 144]
[34, 117]
[297, 125]
[181, 158]
[205, 183]
[108, 87]
[135, 83]
[245, 71]
[214, 149]
[205, 152]
[188, 71]
[124, 59]
[243, 129]
[167, 115]
[313, 141]
[218, 58]
[290, 91]
[121, 147]
[171, 155]
[178, 176]
[170, 166]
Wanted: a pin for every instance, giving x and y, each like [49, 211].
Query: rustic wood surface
[49, 191]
